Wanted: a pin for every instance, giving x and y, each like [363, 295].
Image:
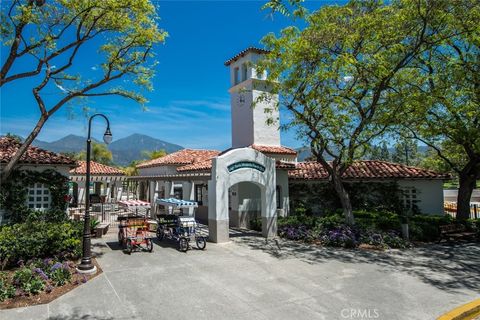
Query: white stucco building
[106, 181]
[251, 179]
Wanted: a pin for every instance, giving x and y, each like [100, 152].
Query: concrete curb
[466, 312]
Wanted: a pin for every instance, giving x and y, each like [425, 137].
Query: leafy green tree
[154, 154]
[441, 97]
[337, 76]
[406, 152]
[13, 136]
[131, 169]
[45, 38]
[379, 152]
[384, 152]
[100, 154]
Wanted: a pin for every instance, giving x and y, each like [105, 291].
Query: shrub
[297, 220]
[26, 241]
[294, 232]
[343, 236]
[393, 240]
[256, 224]
[427, 228]
[6, 289]
[372, 237]
[383, 220]
[60, 274]
[28, 281]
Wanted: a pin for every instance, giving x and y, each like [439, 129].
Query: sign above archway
[246, 164]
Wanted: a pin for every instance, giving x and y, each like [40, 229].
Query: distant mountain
[131, 148]
[124, 150]
[70, 143]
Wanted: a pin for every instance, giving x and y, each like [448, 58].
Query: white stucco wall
[249, 121]
[223, 179]
[429, 194]
[159, 170]
[282, 181]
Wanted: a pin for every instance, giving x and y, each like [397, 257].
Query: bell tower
[249, 123]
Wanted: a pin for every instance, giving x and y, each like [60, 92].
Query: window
[39, 197]
[278, 190]
[236, 76]
[199, 194]
[177, 192]
[244, 71]
[409, 197]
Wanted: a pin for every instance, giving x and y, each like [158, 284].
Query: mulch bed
[46, 297]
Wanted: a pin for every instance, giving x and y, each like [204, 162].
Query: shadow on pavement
[448, 267]
[77, 316]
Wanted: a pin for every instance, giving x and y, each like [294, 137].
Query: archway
[236, 166]
[245, 205]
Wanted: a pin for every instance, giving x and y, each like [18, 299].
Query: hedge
[25, 241]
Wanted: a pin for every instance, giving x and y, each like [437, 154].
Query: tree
[442, 97]
[406, 152]
[154, 154]
[379, 152]
[384, 152]
[100, 154]
[131, 169]
[337, 76]
[45, 38]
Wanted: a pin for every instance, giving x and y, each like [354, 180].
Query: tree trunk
[467, 181]
[344, 198]
[23, 148]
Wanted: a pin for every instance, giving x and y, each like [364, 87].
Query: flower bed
[332, 231]
[39, 281]
[379, 230]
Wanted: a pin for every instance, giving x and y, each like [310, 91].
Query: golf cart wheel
[129, 246]
[201, 242]
[183, 244]
[160, 233]
[120, 237]
[149, 245]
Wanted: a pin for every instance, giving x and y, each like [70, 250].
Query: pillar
[188, 193]
[217, 212]
[269, 210]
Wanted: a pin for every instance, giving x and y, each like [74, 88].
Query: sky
[190, 104]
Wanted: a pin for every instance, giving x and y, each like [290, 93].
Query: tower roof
[244, 53]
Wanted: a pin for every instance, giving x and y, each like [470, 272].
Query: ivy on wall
[321, 198]
[14, 193]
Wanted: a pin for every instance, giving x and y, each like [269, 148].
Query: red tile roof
[33, 155]
[365, 169]
[285, 165]
[205, 165]
[273, 149]
[96, 169]
[182, 157]
[244, 52]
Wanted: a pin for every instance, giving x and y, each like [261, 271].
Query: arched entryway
[245, 205]
[235, 168]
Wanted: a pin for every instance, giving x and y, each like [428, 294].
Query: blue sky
[190, 103]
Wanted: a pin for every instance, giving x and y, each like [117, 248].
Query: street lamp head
[107, 137]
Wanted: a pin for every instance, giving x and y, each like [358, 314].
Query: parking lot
[250, 278]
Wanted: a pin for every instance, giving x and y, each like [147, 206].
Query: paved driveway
[251, 279]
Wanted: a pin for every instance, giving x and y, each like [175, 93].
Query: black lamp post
[86, 265]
